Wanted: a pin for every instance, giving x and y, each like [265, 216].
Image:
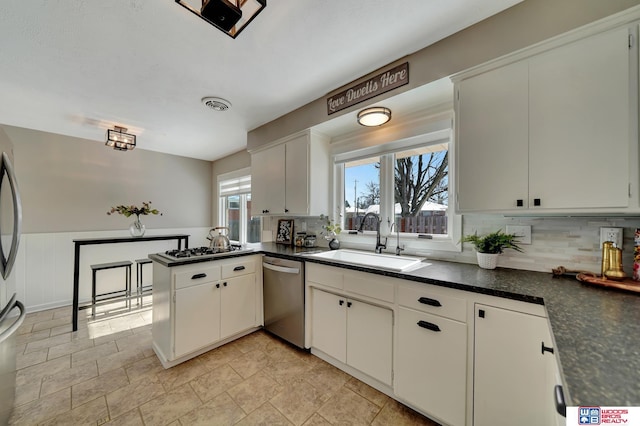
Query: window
[234, 190]
[362, 192]
[406, 183]
[421, 190]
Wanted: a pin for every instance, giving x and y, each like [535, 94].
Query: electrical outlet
[611, 234]
[523, 232]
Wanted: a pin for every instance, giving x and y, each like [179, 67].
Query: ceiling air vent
[216, 104]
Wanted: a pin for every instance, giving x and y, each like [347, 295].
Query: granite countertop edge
[596, 330]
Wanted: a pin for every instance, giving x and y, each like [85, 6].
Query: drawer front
[196, 275]
[327, 275]
[240, 267]
[370, 285]
[427, 299]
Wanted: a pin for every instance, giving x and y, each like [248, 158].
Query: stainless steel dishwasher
[283, 282]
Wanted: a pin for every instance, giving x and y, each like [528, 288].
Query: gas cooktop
[202, 252]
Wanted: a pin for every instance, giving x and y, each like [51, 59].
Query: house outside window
[234, 191]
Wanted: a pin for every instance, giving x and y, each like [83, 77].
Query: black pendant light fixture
[230, 17]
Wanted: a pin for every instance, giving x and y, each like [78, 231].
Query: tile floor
[107, 373]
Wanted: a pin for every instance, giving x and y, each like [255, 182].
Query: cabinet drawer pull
[546, 349]
[430, 302]
[428, 325]
[196, 276]
[217, 285]
[238, 268]
[341, 302]
[561, 404]
[349, 304]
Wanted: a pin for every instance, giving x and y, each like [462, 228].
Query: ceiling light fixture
[230, 17]
[120, 140]
[374, 116]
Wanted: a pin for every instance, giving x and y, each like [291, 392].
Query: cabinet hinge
[630, 41]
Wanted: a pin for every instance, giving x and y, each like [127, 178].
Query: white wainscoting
[43, 274]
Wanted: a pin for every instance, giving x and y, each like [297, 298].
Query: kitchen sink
[387, 262]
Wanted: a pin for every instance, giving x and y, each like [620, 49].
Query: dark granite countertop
[596, 330]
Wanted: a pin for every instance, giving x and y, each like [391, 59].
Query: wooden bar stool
[113, 294]
[141, 289]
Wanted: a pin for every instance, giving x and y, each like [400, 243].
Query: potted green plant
[333, 229]
[490, 246]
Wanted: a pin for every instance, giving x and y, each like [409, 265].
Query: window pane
[253, 224]
[233, 216]
[422, 190]
[362, 192]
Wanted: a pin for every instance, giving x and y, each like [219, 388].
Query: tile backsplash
[556, 241]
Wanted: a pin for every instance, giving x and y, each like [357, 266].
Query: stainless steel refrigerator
[12, 312]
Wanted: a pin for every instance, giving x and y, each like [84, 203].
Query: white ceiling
[78, 67]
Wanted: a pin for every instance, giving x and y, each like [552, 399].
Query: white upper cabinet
[291, 177]
[579, 123]
[268, 180]
[551, 133]
[492, 119]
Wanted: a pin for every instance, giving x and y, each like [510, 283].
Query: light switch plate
[523, 232]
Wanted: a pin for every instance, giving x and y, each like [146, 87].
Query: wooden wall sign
[374, 86]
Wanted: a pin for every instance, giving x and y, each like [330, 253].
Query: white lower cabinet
[237, 305]
[353, 332]
[431, 365]
[197, 307]
[511, 368]
[197, 320]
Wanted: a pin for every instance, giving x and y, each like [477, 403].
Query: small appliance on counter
[310, 240]
[299, 241]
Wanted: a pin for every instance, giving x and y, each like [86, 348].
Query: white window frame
[241, 190]
[438, 130]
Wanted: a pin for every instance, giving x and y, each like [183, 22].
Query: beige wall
[68, 184]
[231, 163]
[522, 25]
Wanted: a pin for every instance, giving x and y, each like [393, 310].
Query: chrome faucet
[379, 245]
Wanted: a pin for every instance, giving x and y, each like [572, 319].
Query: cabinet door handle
[265, 211]
[481, 313]
[430, 302]
[238, 268]
[519, 202]
[537, 202]
[217, 285]
[286, 210]
[224, 283]
[546, 349]
[341, 302]
[349, 304]
[428, 325]
[196, 276]
[561, 404]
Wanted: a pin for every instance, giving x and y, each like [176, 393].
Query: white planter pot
[488, 260]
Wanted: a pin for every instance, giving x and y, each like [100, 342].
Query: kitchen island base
[200, 306]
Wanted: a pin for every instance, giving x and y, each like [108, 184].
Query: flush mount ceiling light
[230, 17]
[120, 140]
[374, 116]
